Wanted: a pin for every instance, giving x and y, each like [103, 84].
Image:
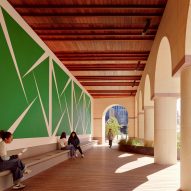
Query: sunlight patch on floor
[125, 155]
[167, 179]
[143, 161]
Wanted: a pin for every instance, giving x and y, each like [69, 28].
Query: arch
[164, 83]
[103, 119]
[147, 92]
[140, 102]
[188, 31]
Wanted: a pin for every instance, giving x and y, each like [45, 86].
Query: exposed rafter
[103, 43]
[110, 84]
[96, 78]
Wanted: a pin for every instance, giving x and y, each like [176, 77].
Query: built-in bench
[40, 158]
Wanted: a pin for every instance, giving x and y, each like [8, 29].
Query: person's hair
[5, 134]
[75, 135]
[63, 135]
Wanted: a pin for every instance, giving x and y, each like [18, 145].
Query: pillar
[165, 149]
[141, 125]
[185, 151]
[148, 125]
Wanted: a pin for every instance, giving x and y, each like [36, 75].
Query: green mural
[33, 92]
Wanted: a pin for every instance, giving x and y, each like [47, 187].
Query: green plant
[122, 142]
[112, 123]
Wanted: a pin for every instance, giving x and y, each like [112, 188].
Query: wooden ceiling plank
[110, 83]
[88, 78]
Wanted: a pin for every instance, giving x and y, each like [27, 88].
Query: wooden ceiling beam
[104, 67]
[132, 84]
[143, 58]
[111, 91]
[88, 27]
[88, 6]
[33, 13]
[94, 37]
[97, 78]
[102, 56]
[45, 33]
[112, 95]
[76, 53]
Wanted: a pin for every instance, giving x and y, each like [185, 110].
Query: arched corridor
[107, 169]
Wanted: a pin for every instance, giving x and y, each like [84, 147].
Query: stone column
[165, 149]
[185, 152]
[136, 126]
[141, 125]
[148, 125]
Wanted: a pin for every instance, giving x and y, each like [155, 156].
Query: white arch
[103, 119]
[188, 32]
[164, 83]
[147, 92]
[140, 102]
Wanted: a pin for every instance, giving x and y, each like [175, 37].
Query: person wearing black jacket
[74, 140]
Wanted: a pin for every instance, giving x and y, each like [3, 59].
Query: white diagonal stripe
[58, 125]
[50, 95]
[65, 86]
[76, 124]
[68, 114]
[39, 61]
[80, 97]
[20, 118]
[42, 107]
[85, 130]
[56, 88]
[4, 27]
[88, 104]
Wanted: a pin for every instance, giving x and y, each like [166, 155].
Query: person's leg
[110, 143]
[80, 150]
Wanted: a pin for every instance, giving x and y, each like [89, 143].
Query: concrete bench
[40, 162]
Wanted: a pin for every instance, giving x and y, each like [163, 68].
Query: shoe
[18, 186]
[76, 155]
[27, 171]
[82, 155]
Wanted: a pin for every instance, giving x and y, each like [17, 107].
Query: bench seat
[41, 162]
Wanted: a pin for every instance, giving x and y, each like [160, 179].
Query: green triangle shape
[42, 78]
[56, 110]
[61, 77]
[29, 127]
[26, 50]
[12, 97]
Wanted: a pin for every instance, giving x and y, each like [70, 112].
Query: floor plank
[107, 169]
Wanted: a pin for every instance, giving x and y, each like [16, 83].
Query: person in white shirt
[64, 145]
[12, 163]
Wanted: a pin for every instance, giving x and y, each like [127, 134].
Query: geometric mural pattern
[37, 99]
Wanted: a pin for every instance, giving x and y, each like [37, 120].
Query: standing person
[12, 163]
[110, 137]
[64, 144]
[74, 140]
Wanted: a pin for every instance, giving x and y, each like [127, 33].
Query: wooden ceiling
[104, 43]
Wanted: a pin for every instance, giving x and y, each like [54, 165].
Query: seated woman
[12, 163]
[74, 140]
[64, 144]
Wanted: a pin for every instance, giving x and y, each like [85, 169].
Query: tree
[112, 123]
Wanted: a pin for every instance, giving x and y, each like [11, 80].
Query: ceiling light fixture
[148, 22]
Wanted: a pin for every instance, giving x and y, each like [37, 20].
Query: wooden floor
[105, 169]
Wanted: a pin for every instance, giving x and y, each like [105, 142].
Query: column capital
[161, 95]
[149, 107]
[140, 112]
[184, 63]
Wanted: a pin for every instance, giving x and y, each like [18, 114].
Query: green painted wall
[37, 99]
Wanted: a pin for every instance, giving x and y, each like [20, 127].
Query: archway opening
[115, 117]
